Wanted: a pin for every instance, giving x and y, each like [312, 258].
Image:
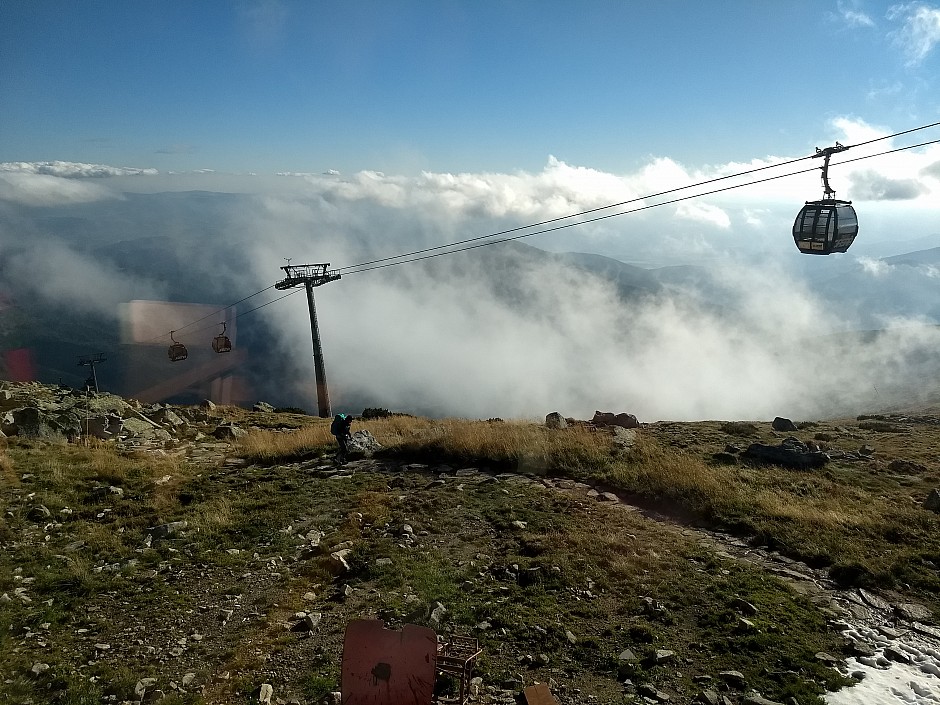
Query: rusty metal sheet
[539, 694]
[386, 667]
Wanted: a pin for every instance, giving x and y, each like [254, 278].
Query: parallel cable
[612, 205]
[497, 237]
[634, 210]
[578, 214]
[237, 315]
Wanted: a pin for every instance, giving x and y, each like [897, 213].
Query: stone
[932, 503]
[707, 697]
[791, 453]
[165, 530]
[263, 407]
[733, 678]
[32, 422]
[556, 421]
[784, 425]
[361, 445]
[39, 512]
[168, 417]
[649, 691]
[896, 655]
[339, 559]
[755, 698]
[606, 418]
[138, 427]
[664, 656]
[229, 432]
[624, 437]
[912, 612]
[265, 693]
[143, 685]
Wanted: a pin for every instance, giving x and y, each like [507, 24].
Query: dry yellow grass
[214, 514]
[521, 442]
[7, 473]
[266, 446]
[666, 476]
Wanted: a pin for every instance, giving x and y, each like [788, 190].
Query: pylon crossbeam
[304, 274]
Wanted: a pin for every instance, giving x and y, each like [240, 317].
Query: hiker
[340, 429]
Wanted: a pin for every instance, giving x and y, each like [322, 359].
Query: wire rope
[633, 210]
[619, 204]
[496, 238]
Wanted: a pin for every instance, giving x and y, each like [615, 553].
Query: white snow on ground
[888, 682]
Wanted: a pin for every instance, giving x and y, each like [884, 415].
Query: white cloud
[73, 170]
[703, 213]
[870, 185]
[78, 282]
[883, 91]
[853, 16]
[875, 267]
[33, 189]
[854, 130]
[919, 32]
[754, 216]
[472, 335]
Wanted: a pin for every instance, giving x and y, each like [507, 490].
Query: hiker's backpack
[338, 422]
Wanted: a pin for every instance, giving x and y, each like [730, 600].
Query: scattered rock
[784, 425]
[556, 421]
[791, 453]
[229, 432]
[755, 698]
[932, 503]
[39, 512]
[606, 418]
[361, 445]
[733, 678]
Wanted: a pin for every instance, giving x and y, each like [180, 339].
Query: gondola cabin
[176, 351]
[824, 227]
[221, 342]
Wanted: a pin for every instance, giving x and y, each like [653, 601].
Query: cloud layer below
[502, 332]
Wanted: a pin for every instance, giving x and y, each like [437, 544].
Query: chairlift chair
[177, 351]
[829, 225]
[221, 342]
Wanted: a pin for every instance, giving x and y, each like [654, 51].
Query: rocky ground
[181, 573]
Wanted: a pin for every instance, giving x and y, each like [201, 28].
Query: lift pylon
[309, 276]
[91, 383]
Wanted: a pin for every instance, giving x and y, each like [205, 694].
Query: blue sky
[343, 132]
[400, 87]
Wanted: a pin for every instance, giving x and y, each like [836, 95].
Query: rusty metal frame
[456, 657]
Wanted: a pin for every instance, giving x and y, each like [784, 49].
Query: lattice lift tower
[91, 384]
[311, 275]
